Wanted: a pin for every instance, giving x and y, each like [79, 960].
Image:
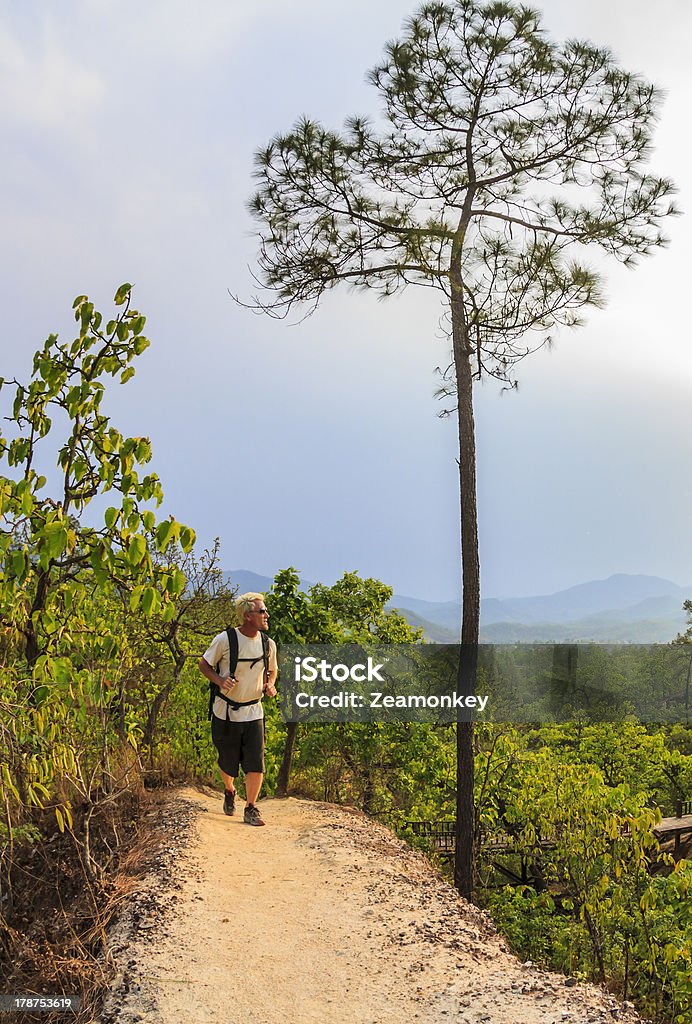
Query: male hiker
[240, 665]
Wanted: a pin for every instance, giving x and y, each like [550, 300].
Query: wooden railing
[441, 834]
[432, 828]
[442, 837]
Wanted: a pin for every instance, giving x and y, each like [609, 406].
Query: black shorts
[238, 743]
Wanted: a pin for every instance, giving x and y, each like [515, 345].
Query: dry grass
[52, 937]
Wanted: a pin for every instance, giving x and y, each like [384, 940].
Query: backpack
[215, 692]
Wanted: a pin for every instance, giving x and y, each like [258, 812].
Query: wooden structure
[677, 826]
[441, 834]
[442, 837]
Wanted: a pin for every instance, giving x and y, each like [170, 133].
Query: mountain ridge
[622, 608]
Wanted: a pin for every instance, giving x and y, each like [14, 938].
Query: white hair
[244, 604]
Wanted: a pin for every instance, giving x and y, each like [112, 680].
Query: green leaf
[27, 502]
[143, 450]
[111, 517]
[55, 539]
[122, 294]
[86, 311]
[127, 374]
[17, 564]
[149, 600]
[165, 533]
[187, 538]
[9, 784]
[137, 549]
[177, 582]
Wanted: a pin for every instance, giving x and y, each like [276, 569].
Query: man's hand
[227, 685]
[270, 690]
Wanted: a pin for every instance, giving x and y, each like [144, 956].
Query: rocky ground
[323, 915]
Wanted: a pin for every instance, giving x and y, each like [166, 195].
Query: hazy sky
[128, 133]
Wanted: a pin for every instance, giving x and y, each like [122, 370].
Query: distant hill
[247, 581]
[590, 630]
[443, 614]
[619, 609]
[432, 631]
[619, 592]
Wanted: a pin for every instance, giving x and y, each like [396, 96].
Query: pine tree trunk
[470, 567]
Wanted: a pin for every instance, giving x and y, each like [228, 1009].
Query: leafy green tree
[294, 618]
[351, 611]
[500, 158]
[63, 581]
[569, 817]
[45, 548]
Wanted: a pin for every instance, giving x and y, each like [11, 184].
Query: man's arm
[225, 685]
[269, 687]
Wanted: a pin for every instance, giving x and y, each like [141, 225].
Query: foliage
[564, 811]
[350, 611]
[67, 587]
[47, 551]
[595, 895]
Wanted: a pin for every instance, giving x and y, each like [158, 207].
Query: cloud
[41, 85]
[187, 34]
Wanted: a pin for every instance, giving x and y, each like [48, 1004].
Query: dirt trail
[322, 916]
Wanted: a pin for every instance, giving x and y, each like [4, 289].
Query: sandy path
[324, 916]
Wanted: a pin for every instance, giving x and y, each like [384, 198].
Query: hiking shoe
[229, 803]
[252, 816]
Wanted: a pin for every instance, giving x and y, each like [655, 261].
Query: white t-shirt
[250, 677]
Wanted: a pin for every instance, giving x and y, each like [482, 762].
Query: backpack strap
[232, 649]
[235, 704]
[265, 659]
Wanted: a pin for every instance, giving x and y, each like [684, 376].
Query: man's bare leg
[228, 782]
[253, 784]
